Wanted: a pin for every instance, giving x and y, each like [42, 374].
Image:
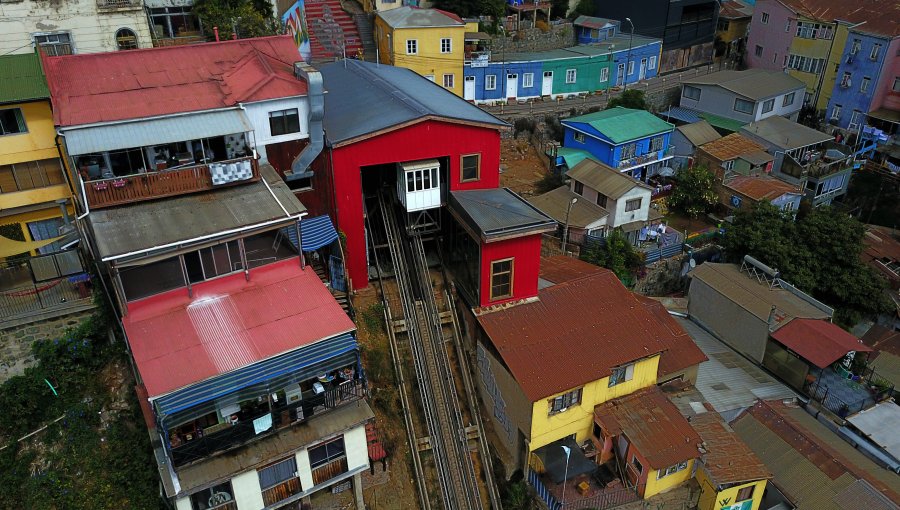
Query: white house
[76, 26]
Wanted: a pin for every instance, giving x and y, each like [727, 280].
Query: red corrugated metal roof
[575, 333]
[818, 341]
[653, 424]
[680, 350]
[177, 340]
[728, 460]
[561, 269]
[161, 81]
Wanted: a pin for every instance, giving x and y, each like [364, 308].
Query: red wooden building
[377, 117]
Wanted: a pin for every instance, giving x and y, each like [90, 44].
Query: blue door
[336, 270]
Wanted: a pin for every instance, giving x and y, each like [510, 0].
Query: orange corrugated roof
[653, 424]
[728, 459]
[730, 147]
[760, 187]
[680, 350]
[818, 341]
[561, 269]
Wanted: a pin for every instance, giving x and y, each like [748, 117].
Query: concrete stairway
[366, 34]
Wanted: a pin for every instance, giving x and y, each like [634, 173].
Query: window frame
[527, 80]
[562, 403]
[621, 374]
[633, 204]
[494, 274]
[448, 78]
[768, 105]
[864, 84]
[284, 115]
[490, 82]
[758, 51]
[749, 111]
[876, 52]
[691, 88]
[601, 200]
[20, 122]
[119, 36]
[636, 464]
[271, 465]
[574, 76]
[462, 167]
[412, 46]
[604, 74]
[750, 488]
[836, 111]
[786, 102]
[578, 188]
[329, 458]
[449, 45]
[651, 64]
[208, 494]
[765, 18]
[671, 470]
[578, 136]
[70, 43]
[630, 68]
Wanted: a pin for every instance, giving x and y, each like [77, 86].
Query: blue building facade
[643, 57]
[635, 142]
[864, 58]
[591, 30]
[490, 82]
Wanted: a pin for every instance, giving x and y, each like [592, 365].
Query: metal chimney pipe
[316, 97]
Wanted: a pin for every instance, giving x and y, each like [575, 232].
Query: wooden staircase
[341, 297]
[333, 33]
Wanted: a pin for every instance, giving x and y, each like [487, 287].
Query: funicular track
[440, 405]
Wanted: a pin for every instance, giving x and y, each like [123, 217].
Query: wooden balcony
[102, 193]
[281, 491]
[328, 471]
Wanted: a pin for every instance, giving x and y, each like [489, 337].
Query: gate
[336, 271]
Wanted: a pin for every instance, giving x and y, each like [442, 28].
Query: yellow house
[33, 188]
[730, 475]
[815, 54]
[546, 368]
[428, 41]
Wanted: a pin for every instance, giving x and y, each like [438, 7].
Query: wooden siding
[281, 491]
[328, 471]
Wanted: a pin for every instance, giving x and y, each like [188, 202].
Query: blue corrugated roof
[317, 232]
[364, 98]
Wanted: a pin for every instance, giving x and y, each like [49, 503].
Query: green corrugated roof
[572, 156]
[722, 122]
[22, 78]
[623, 124]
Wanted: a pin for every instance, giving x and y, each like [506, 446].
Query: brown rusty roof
[575, 333]
[760, 187]
[728, 460]
[680, 350]
[653, 424]
[730, 147]
[881, 17]
[561, 269]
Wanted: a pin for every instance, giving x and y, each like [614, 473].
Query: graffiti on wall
[490, 386]
[294, 20]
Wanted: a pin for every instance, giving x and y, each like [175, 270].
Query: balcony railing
[831, 158]
[644, 159]
[281, 491]
[330, 470]
[225, 436]
[119, 4]
[101, 193]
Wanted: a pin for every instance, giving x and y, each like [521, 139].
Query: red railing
[146, 186]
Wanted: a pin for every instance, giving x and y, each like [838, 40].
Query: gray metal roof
[406, 17]
[499, 213]
[364, 98]
[555, 204]
[146, 227]
[617, 43]
[603, 179]
[784, 133]
[140, 133]
[881, 425]
[699, 132]
[753, 83]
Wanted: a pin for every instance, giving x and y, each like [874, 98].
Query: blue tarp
[316, 232]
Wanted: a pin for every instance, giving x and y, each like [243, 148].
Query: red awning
[229, 323]
[818, 341]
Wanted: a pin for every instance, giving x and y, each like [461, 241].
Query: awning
[109, 137]
[818, 341]
[886, 114]
[553, 456]
[10, 247]
[316, 231]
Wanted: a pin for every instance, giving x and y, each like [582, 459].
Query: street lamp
[568, 451]
[566, 229]
[628, 57]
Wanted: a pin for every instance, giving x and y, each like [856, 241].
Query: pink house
[771, 32]
[887, 92]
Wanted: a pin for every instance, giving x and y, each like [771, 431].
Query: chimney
[216, 31]
[316, 97]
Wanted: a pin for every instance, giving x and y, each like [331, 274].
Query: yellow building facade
[820, 42]
[730, 498]
[427, 41]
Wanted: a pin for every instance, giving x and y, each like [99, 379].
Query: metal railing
[869, 381]
[101, 193]
[44, 296]
[228, 437]
[650, 157]
[119, 4]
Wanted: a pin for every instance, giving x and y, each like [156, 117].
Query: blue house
[590, 30]
[865, 58]
[634, 142]
[516, 78]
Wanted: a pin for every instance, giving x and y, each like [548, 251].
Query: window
[836, 112]
[54, 45]
[46, 229]
[412, 47]
[775, 57]
[528, 80]
[854, 49]
[501, 279]
[671, 470]
[570, 75]
[601, 200]
[768, 106]
[630, 68]
[633, 204]
[745, 493]
[787, 26]
[429, 77]
[325, 453]
[765, 18]
[422, 179]
[855, 117]
[579, 188]
[876, 52]
[637, 464]
[446, 45]
[126, 39]
[12, 122]
[624, 373]
[806, 64]
[171, 22]
[807, 97]
[652, 63]
[896, 86]
[758, 50]
[723, 25]
[785, 61]
[448, 81]
[30, 175]
[656, 143]
[864, 85]
[579, 137]
[490, 82]
[565, 401]
[743, 106]
[471, 167]
[728, 165]
[691, 92]
[788, 99]
[629, 151]
[284, 122]
[604, 74]
[213, 497]
[845, 79]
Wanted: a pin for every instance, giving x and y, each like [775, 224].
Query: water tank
[418, 185]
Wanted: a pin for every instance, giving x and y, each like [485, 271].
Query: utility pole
[628, 57]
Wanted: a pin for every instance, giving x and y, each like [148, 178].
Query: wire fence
[33, 298]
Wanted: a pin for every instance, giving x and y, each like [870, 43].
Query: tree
[616, 254]
[629, 99]
[585, 7]
[694, 193]
[472, 8]
[248, 18]
[819, 254]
